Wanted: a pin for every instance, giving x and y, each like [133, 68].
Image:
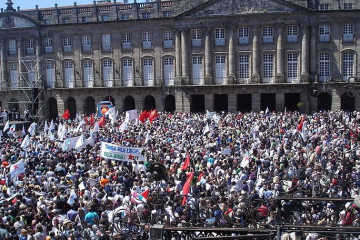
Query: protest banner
[121, 153]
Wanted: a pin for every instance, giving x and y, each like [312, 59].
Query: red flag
[92, 120]
[200, 176]
[86, 120]
[300, 126]
[153, 115]
[186, 187]
[102, 122]
[66, 114]
[143, 116]
[145, 194]
[186, 163]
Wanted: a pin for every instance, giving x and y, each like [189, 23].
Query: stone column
[256, 102]
[313, 55]
[255, 78]
[39, 77]
[208, 57]
[177, 58]
[304, 98]
[3, 65]
[231, 63]
[21, 82]
[335, 100]
[280, 77]
[305, 55]
[232, 103]
[179, 100]
[280, 101]
[209, 102]
[184, 58]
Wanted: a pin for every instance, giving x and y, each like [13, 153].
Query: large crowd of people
[209, 170]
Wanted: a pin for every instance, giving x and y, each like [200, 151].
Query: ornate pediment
[237, 7]
[9, 21]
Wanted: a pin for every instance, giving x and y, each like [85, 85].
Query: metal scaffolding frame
[30, 88]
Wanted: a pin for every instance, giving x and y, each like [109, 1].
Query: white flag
[51, 136]
[245, 162]
[7, 126]
[32, 129]
[17, 168]
[207, 129]
[96, 127]
[26, 142]
[147, 136]
[59, 129]
[123, 126]
[112, 114]
[12, 129]
[46, 127]
[80, 143]
[132, 114]
[72, 197]
[52, 125]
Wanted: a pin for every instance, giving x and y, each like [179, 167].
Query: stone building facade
[181, 55]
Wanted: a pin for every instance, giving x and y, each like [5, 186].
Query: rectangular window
[146, 15]
[66, 20]
[324, 33]
[12, 47]
[47, 21]
[67, 44]
[324, 6]
[243, 35]
[69, 74]
[105, 18]
[126, 41]
[146, 40]
[148, 72]
[125, 17]
[166, 14]
[108, 73]
[106, 42]
[86, 43]
[85, 19]
[292, 67]
[196, 36]
[48, 43]
[30, 46]
[347, 65]
[348, 6]
[324, 67]
[169, 71]
[127, 73]
[292, 33]
[348, 33]
[268, 34]
[220, 70]
[244, 66]
[197, 70]
[14, 76]
[88, 73]
[219, 36]
[50, 74]
[168, 39]
[268, 67]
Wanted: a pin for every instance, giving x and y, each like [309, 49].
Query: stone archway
[53, 109]
[111, 99]
[90, 106]
[149, 103]
[129, 103]
[71, 105]
[347, 102]
[324, 101]
[170, 105]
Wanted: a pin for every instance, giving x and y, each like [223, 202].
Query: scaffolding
[29, 92]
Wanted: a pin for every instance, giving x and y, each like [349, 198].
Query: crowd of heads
[243, 168]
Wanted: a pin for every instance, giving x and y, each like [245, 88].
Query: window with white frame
[67, 44]
[220, 69]
[69, 74]
[268, 67]
[48, 44]
[108, 75]
[128, 72]
[268, 35]
[31, 73]
[50, 74]
[324, 33]
[348, 6]
[126, 41]
[148, 72]
[196, 36]
[88, 73]
[86, 43]
[166, 14]
[324, 6]
[168, 39]
[85, 19]
[243, 35]
[145, 15]
[169, 71]
[347, 65]
[324, 67]
[14, 76]
[30, 46]
[146, 40]
[244, 66]
[348, 32]
[219, 36]
[292, 33]
[105, 18]
[292, 67]
[106, 42]
[197, 70]
[12, 47]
